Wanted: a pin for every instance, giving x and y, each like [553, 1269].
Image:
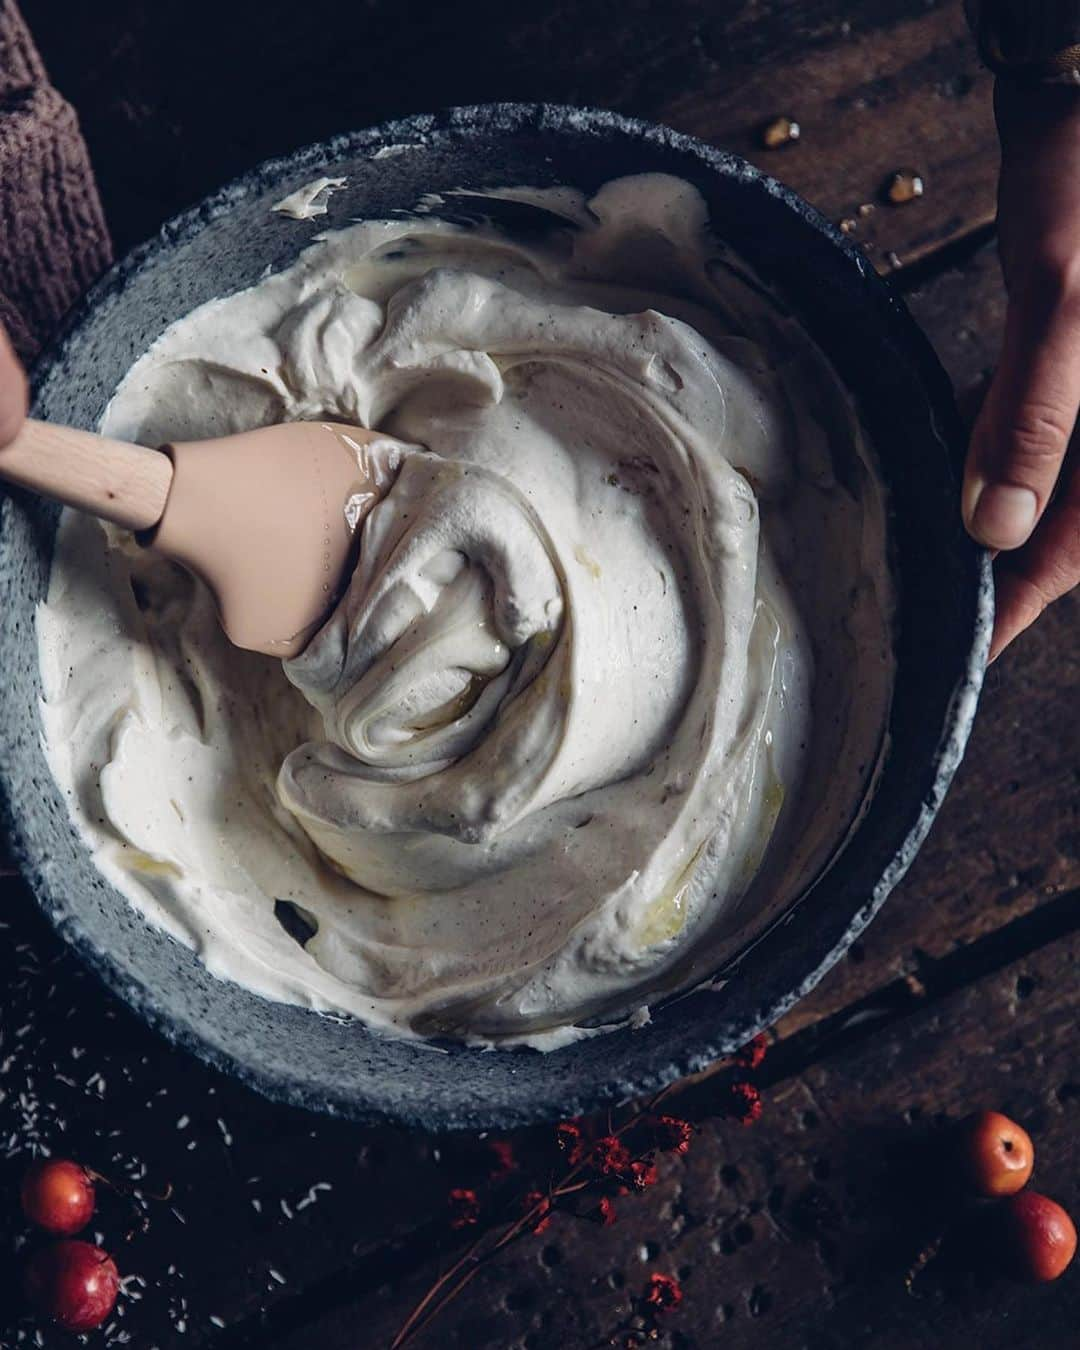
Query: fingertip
[969, 496]
[1000, 515]
[14, 390]
[1018, 603]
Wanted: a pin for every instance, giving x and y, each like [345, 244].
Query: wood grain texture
[962, 993]
[1008, 837]
[80, 1073]
[875, 87]
[798, 1231]
[127, 484]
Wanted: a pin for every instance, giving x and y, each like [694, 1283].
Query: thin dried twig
[575, 1181]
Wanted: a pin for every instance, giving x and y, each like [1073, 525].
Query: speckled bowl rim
[715, 1041]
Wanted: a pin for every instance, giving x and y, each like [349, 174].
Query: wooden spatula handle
[124, 483]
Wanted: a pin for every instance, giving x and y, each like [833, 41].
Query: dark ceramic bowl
[946, 605]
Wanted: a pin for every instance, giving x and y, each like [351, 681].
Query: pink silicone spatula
[265, 518]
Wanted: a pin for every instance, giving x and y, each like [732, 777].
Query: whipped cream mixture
[608, 685]
[310, 200]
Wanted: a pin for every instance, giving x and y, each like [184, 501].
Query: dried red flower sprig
[671, 1134]
[753, 1053]
[538, 1206]
[464, 1207]
[599, 1168]
[604, 1166]
[605, 1211]
[743, 1096]
[570, 1138]
[609, 1157]
[744, 1103]
[663, 1292]
[643, 1174]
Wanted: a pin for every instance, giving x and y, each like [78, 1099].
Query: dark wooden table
[286, 1230]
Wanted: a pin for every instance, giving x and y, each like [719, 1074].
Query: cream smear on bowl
[607, 687]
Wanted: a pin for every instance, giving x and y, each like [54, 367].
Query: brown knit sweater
[53, 240]
[1036, 40]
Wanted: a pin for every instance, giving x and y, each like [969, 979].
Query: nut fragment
[849, 225]
[780, 131]
[904, 186]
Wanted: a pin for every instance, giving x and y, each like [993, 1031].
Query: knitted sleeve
[1038, 41]
[53, 239]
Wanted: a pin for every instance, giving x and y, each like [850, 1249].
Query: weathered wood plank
[1007, 839]
[869, 100]
[265, 1198]
[962, 310]
[900, 85]
[174, 101]
[797, 1232]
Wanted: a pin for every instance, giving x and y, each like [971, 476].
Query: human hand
[1021, 483]
[13, 391]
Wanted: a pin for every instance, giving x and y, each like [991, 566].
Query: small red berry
[996, 1153]
[74, 1283]
[58, 1195]
[1041, 1237]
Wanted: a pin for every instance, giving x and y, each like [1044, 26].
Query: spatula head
[268, 519]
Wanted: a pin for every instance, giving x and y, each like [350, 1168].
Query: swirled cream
[607, 687]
